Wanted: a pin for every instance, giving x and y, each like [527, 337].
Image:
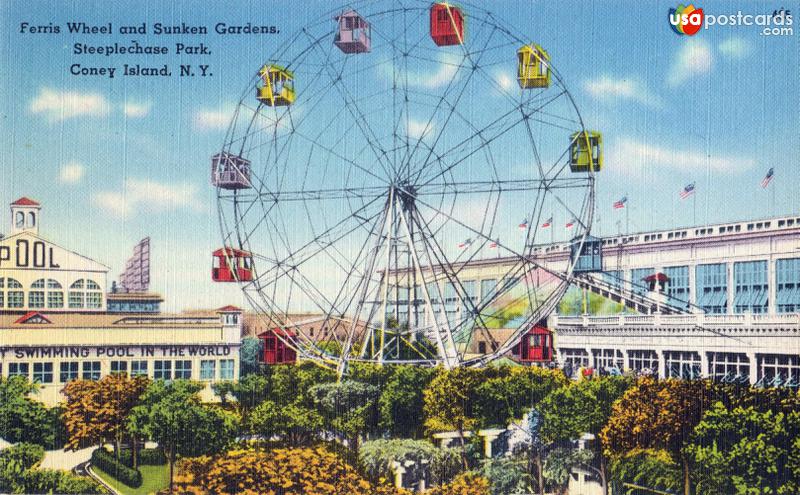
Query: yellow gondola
[586, 151]
[533, 67]
[278, 88]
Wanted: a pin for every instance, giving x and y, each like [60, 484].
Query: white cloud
[610, 88]
[71, 172]
[212, 120]
[428, 75]
[630, 157]
[420, 128]
[735, 48]
[58, 105]
[504, 80]
[694, 59]
[135, 110]
[148, 196]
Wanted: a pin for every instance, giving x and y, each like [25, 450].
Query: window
[162, 370]
[119, 367]
[36, 299]
[729, 367]
[208, 369]
[605, 359]
[678, 285]
[576, 358]
[226, 369]
[471, 296]
[85, 293]
[481, 347]
[43, 372]
[612, 277]
[682, 364]
[638, 285]
[55, 298]
[183, 369]
[91, 370]
[31, 219]
[751, 289]
[19, 221]
[787, 294]
[138, 368]
[487, 289]
[712, 288]
[776, 370]
[18, 369]
[69, 372]
[641, 360]
[14, 298]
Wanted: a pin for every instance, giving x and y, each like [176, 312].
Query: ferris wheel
[388, 180]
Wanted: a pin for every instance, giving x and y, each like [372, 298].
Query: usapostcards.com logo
[688, 20]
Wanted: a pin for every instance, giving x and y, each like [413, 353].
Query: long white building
[59, 322]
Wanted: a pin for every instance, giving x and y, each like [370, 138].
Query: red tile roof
[23, 201]
[229, 309]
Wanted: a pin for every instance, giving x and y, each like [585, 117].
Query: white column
[751, 356]
[705, 370]
[772, 283]
[399, 471]
[662, 364]
[731, 287]
[693, 284]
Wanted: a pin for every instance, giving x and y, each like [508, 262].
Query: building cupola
[25, 216]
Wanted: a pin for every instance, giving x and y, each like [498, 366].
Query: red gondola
[275, 350]
[447, 24]
[232, 265]
[536, 346]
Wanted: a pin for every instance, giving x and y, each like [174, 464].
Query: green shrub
[108, 463]
[376, 459]
[45, 481]
[147, 457]
[26, 454]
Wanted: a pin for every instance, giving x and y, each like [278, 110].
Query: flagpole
[772, 186]
[694, 208]
[627, 217]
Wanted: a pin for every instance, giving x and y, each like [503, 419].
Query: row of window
[44, 372]
[772, 369]
[750, 288]
[48, 293]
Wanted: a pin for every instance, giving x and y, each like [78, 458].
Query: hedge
[55, 481]
[147, 457]
[108, 463]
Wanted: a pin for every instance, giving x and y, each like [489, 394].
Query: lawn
[154, 478]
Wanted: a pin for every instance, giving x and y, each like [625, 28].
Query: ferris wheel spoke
[369, 135]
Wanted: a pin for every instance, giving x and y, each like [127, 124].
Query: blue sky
[114, 160]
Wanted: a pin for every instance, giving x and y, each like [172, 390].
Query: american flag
[687, 191]
[523, 225]
[547, 223]
[620, 203]
[464, 243]
[767, 178]
[493, 244]
[571, 223]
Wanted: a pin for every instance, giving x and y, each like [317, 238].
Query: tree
[376, 457]
[96, 412]
[582, 407]
[276, 472]
[171, 414]
[401, 401]
[21, 417]
[250, 391]
[464, 484]
[506, 397]
[559, 464]
[295, 424]
[744, 450]
[349, 408]
[249, 353]
[449, 400]
[506, 476]
[658, 415]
